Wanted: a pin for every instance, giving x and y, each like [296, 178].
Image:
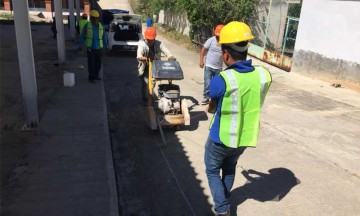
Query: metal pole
[72, 19]
[77, 7]
[26, 62]
[52, 10]
[286, 34]
[93, 5]
[267, 24]
[60, 32]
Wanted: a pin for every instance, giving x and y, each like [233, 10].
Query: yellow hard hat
[235, 32]
[94, 13]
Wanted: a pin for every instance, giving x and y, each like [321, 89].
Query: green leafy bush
[6, 16]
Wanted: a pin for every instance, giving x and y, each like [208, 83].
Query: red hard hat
[218, 29]
[84, 15]
[150, 33]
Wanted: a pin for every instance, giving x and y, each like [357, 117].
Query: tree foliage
[204, 14]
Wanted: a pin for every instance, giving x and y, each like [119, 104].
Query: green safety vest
[82, 23]
[241, 105]
[89, 35]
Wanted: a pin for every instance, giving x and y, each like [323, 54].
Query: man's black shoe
[91, 80]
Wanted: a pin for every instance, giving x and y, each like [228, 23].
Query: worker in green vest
[94, 35]
[82, 22]
[236, 97]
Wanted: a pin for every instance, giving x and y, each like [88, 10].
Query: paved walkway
[70, 169]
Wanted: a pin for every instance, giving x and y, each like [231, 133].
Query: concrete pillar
[87, 7]
[26, 62]
[77, 8]
[48, 5]
[7, 5]
[60, 32]
[72, 19]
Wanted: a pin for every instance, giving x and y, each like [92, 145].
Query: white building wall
[175, 20]
[328, 39]
[277, 21]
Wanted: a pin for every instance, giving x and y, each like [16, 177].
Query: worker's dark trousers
[144, 85]
[94, 62]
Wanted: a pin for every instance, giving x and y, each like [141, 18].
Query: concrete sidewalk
[70, 167]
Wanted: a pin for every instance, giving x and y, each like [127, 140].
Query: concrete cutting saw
[165, 107]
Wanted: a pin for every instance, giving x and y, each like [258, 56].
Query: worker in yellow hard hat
[95, 39]
[148, 50]
[214, 63]
[236, 97]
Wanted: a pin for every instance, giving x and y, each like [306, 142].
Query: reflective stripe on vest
[89, 35]
[263, 84]
[234, 106]
[240, 109]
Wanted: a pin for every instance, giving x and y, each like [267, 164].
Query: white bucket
[69, 79]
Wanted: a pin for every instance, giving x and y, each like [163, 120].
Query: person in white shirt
[214, 61]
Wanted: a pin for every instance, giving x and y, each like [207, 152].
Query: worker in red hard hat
[214, 62]
[148, 50]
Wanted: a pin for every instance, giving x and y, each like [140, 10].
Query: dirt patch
[342, 83]
[176, 37]
[14, 143]
[337, 83]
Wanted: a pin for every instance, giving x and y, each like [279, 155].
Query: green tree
[204, 15]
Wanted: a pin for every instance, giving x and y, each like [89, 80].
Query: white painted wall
[178, 21]
[330, 28]
[277, 21]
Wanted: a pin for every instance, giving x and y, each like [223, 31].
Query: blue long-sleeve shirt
[217, 91]
[95, 39]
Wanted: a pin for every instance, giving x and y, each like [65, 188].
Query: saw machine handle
[150, 80]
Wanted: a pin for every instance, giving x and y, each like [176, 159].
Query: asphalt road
[306, 162]
[152, 179]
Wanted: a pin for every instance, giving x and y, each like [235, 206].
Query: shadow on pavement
[195, 118]
[152, 179]
[264, 187]
[191, 101]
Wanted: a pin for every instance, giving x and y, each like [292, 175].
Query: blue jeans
[219, 157]
[209, 73]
